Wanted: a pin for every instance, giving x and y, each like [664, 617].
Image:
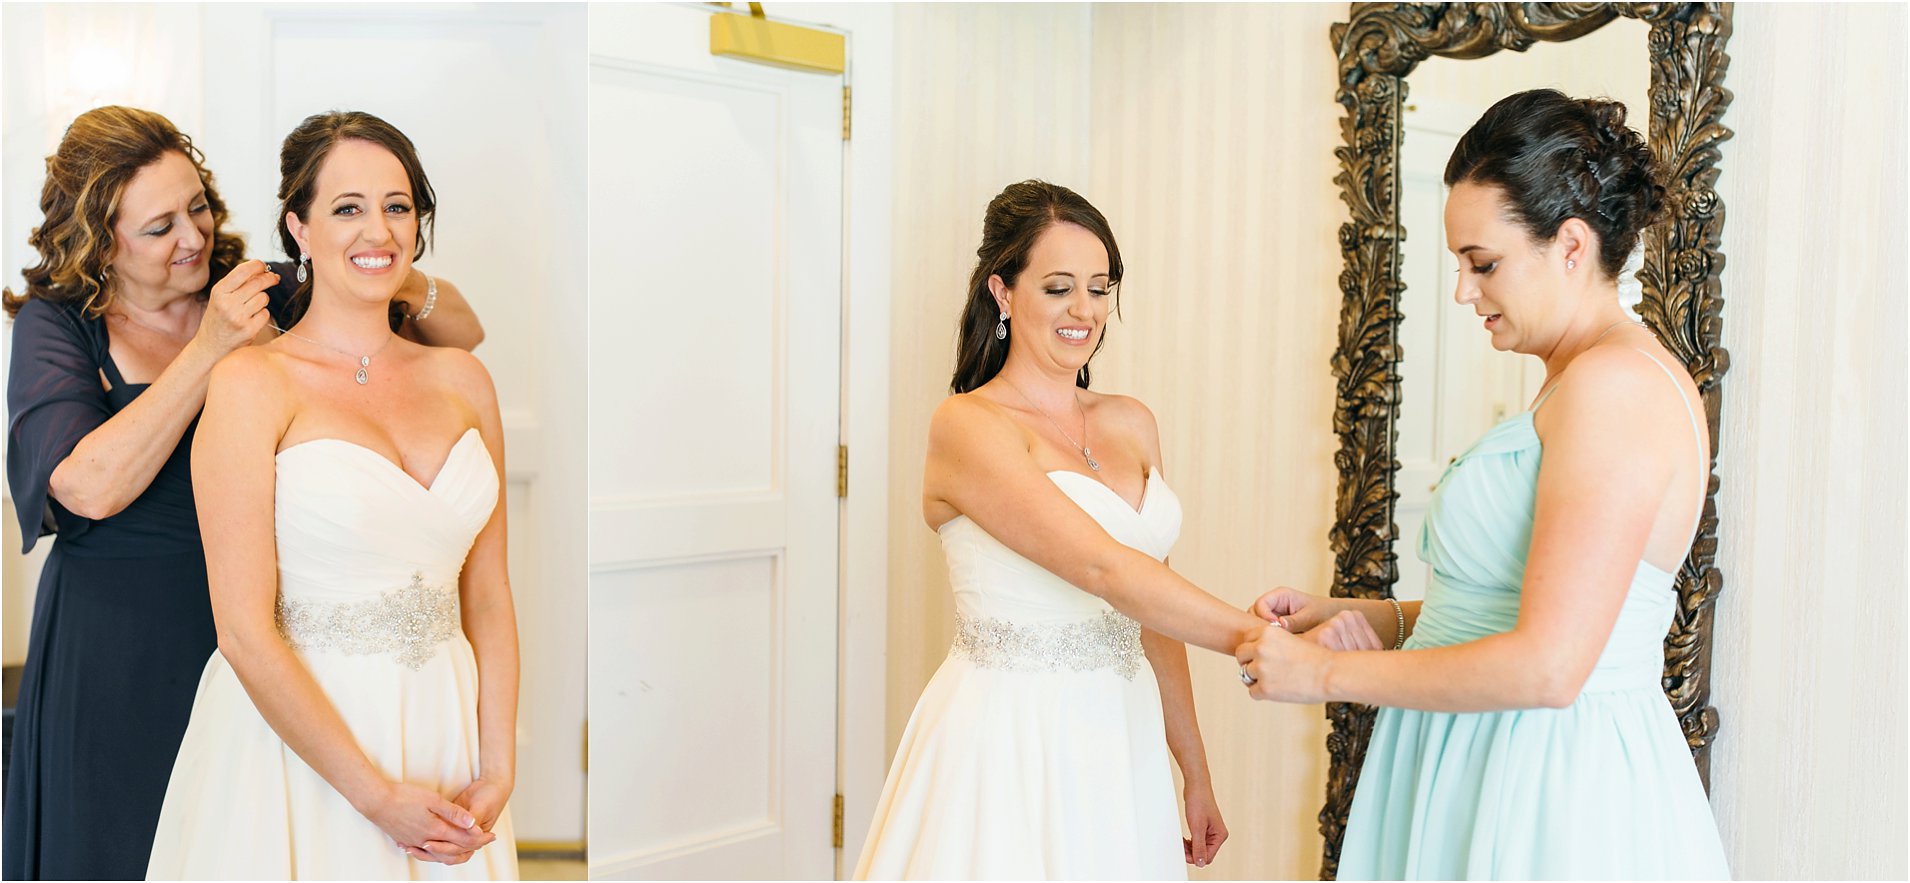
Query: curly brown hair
[85, 179]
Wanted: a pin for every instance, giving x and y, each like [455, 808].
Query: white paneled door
[715, 272]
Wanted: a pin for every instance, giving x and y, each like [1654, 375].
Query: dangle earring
[1001, 328]
[303, 259]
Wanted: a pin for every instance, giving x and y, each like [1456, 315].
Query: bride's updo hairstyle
[1015, 219]
[303, 154]
[1556, 157]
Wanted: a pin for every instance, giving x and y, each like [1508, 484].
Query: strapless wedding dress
[368, 599]
[1038, 750]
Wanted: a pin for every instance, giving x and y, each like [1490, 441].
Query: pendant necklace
[1085, 453]
[364, 362]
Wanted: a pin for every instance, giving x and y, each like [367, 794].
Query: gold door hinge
[847, 105]
[838, 823]
[842, 471]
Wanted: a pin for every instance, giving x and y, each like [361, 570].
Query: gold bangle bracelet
[1399, 614]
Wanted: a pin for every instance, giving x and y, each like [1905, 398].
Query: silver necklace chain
[1085, 453]
[364, 362]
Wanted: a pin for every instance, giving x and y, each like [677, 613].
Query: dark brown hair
[1014, 220]
[1557, 157]
[303, 154]
[86, 177]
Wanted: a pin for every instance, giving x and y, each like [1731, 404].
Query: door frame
[863, 572]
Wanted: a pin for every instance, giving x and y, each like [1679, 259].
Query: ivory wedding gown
[368, 599]
[1038, 750]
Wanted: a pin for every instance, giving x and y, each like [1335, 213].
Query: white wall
[1808, 774]
[508, 233]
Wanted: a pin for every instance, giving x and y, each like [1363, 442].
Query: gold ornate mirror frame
[1683, 301]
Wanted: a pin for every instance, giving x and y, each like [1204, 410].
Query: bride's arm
[1206, 831]
[490, 617]
[234, 478]
[979, 462]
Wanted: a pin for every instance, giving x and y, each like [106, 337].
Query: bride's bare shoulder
[1125, 409]
[462, 373]
[1129, 416]
[971, 419]
[250, 370]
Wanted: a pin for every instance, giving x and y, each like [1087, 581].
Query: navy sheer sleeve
[55, 397]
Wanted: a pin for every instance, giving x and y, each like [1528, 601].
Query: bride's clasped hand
[1289, 659]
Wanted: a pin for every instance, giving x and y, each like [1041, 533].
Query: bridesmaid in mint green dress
[1523, 731]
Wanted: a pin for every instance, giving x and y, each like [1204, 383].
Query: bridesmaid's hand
[1285, 667]
[1296, 610]
[1204, 824]
[415, 817]
[1345, 631]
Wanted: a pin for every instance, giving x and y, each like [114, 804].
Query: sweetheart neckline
[1147, 487]
[427, 488]
[1147, 494]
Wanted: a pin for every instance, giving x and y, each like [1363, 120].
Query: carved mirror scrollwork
[1683, 303]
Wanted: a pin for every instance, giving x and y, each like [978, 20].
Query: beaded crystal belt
[1109, 640]
[408, 623]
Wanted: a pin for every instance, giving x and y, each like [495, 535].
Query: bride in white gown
[357, 720]
[1040, 748]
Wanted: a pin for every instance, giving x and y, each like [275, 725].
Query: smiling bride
[357, 719]
[1040, 749]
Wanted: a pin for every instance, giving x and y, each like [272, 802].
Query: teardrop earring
[1001, 328]
[303, 259]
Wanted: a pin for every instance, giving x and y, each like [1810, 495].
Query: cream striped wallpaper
[1808, 777]
[1214, 161]
[984, 96]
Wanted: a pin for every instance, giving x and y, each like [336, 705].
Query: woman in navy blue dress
[138, 293]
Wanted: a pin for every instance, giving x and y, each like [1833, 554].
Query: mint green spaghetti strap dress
[1603, 789]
